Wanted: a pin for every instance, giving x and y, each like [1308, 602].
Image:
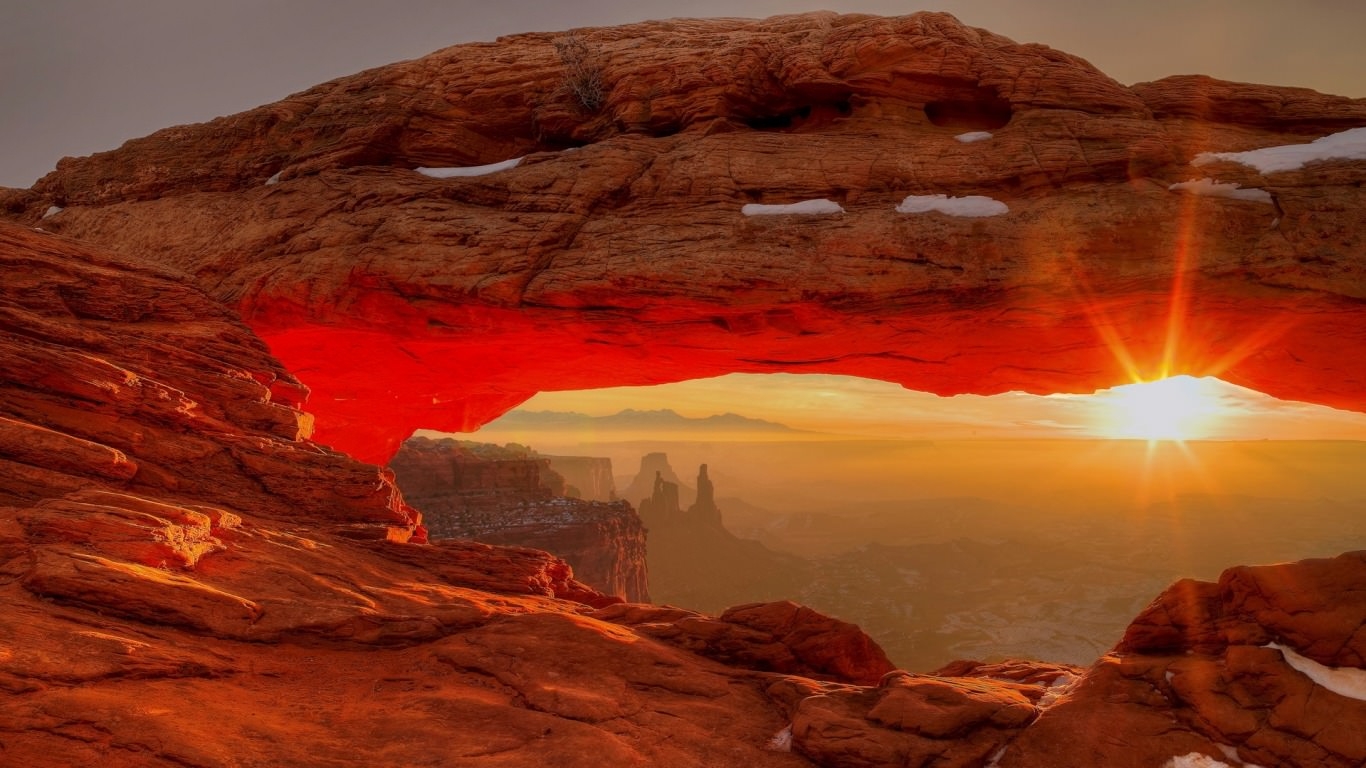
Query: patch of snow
[969, 206]
[995, 760]
[781, 741]
[1169, 675]
[804, 208]
[1056, 689]
[52, 210]
[1346, 145]
[1195, 760]
[971, 136]
[40, 229]
[473, 170]
[1214, 188]
[1344, 681]
[275, 179]
[1232, 754]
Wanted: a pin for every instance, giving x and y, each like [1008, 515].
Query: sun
[1176, 408]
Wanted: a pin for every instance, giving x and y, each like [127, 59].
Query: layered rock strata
[502, 495]
[586, 477]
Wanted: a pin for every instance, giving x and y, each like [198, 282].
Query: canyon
[500, 495]
[197, 571]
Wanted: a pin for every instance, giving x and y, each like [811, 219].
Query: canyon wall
[503, 495]
[589, 476]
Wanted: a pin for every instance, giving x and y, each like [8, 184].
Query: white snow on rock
[1057, 689]
[971, 136]
[805, 208]
[1344, 681]
[781, 741]
[1195, 760]
[1214, 188]
[1347, 145]
[970, 206]
[275, 179]
[52, 210]
[473, 170]
[1232, 753]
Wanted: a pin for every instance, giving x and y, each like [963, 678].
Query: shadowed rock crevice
[986, 111]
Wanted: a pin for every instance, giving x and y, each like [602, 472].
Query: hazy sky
[852, 406]
[81, 76]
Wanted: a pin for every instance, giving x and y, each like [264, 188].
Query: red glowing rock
[190, 580]
[405, 301]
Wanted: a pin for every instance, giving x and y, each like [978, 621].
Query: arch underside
[371, 388]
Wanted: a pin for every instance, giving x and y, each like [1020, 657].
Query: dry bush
[584, 77]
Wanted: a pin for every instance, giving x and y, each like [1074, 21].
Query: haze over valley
[965, 548]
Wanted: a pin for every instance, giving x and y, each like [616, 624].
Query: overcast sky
[81, 76]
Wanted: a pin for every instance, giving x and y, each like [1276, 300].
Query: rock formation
[660, 508]
[774, 637]
[188, 579]
[461, 485]
[694, 560]
[568, 270]
[653, 466]
[512, 497]
[704, 510]
[588, 477]
[1242, 670]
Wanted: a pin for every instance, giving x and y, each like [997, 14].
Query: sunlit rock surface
[188, 579]
[571, 268]
[1195, 673]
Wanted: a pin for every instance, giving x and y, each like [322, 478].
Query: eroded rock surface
[566, 271]
[1213, 668]
[188, 579]
[771, 637]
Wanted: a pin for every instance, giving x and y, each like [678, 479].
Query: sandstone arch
[405, 301]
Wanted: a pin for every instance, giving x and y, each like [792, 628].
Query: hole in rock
[980, 527]
[806, 115]
[985, 112]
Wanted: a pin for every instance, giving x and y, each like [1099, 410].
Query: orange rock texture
[188, 579]
[627, 260]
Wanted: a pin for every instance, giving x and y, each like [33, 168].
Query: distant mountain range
[633, 420]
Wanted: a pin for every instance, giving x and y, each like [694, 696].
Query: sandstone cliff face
[589, 476]
[461, 485]
[503, 496]
[571, 268]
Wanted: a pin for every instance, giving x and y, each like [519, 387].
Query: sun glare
[1177, 408]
